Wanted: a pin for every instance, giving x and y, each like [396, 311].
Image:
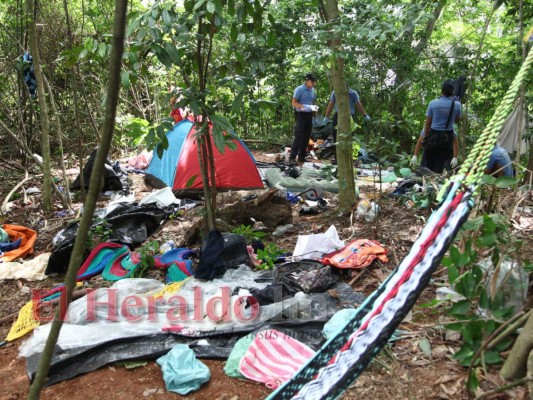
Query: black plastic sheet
[129, 224]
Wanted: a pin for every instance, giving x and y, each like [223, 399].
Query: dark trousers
[439, 158]
[302, 133]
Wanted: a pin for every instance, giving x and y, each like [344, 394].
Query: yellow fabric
[25, 323]
[170, 288]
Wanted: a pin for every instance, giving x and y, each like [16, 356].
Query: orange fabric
[28, 237]
[357, 254]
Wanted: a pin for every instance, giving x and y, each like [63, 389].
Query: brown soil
[401, 371]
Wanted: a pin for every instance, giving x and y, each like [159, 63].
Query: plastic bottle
[372, 212]
[167, 246]
[362, 207]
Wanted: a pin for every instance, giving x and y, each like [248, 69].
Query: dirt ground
[407, 369]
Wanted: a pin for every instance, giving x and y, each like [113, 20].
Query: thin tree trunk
[347, 196]
[45, 139]
[94, 189]
[73, 77]
[59, 143]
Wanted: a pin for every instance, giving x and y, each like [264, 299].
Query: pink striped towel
[273, 357]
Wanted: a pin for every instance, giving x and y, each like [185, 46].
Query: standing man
[303, 102]
[440, 143]
[354, 103]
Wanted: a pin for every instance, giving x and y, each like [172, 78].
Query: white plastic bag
[315, 246]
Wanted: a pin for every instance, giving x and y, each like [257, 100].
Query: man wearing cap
[440, 142]
[303, 101]
[355, 103]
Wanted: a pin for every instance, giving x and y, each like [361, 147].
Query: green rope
[474, 166]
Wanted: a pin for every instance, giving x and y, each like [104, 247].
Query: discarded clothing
[4, 236]
[5, 247]
[308, 276]
[31, 270]
[29, 74]
[182, 372]
[357, 254]
[220, 251]
[27, 238]
[231, 368]
[273, 293]
[273, 357]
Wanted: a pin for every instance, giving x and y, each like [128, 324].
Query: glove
[366, 118]
[414, 160]
[454, 162]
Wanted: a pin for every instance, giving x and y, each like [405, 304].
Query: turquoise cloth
[231, 368]
[182, 372]
[4, 237]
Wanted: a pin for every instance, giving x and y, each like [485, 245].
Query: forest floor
[407, 369]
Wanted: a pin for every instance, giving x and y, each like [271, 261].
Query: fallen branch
[503, 388]
[17, 187]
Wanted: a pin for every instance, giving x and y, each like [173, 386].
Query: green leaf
[488, 239]
[492, 357]
[453, 274]
[505, 181]
[297, 39]
[460, 308]
[162, 56]
[102, 49]
[218, 137]
[210, 7]
[125, 79]
[221, 122]
[190, 182]
[166, 17]
[425, 347]
[173, 53]
[488, 180]
[233, 33]
[198, 4]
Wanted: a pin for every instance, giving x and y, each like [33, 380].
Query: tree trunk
[95, 185]
[516, 364]
[347, 196]
[45, 139]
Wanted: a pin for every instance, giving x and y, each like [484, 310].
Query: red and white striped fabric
[273, 357]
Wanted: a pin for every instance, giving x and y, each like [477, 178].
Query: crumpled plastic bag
[316, 245]
[162, 198]
[182, 372]
[141, 160]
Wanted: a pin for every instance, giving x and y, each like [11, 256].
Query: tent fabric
[508, 138]
[179, 164]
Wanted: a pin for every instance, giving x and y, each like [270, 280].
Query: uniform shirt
[304, 96]
[353, 98]
[498, 159]
[439, 109]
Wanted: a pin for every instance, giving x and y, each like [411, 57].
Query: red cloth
[356, 254]
[176, 114]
